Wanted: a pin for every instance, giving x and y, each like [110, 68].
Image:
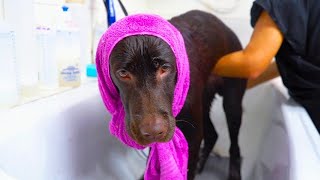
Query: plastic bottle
[19, 14]
[10, 88]
[48, 67]
[68, 50]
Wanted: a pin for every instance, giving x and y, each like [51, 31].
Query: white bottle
[68, 50]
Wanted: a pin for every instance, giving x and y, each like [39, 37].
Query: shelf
[34, 93]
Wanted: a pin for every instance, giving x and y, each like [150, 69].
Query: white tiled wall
[169, 8]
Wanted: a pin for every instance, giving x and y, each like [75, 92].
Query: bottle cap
[91, 70]
[65, 8]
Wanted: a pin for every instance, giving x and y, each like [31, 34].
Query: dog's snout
[154, 131]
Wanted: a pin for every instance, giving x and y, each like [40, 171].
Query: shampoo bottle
[68, 50]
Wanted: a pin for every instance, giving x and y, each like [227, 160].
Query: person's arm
[257, 55]
[270, 73]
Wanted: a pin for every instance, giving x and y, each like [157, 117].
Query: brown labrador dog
[143, 69]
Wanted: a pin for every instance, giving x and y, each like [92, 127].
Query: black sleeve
[291, 17]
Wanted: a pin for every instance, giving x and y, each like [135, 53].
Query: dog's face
[143, 68]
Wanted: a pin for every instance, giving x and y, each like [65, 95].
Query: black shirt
[298, 59]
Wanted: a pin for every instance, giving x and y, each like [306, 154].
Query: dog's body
[143, 69]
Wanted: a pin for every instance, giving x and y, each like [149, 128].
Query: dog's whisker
[181, 120]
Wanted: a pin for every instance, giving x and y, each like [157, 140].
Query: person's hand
[270, 73]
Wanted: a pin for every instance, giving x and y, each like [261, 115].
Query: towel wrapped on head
[166, 160]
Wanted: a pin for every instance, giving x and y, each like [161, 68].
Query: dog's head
[143, 68]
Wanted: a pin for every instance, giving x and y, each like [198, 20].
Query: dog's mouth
[134, 131]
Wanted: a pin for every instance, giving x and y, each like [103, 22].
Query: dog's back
[206, 38]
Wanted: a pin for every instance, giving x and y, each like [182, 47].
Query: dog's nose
[153, 132]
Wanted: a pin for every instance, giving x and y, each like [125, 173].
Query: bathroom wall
[225, 8]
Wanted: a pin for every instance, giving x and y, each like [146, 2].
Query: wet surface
[216, 168]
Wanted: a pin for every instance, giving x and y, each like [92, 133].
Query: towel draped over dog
[166, 160]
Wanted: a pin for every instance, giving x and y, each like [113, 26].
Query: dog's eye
[123, 73]
[165, 66]
[156, 63]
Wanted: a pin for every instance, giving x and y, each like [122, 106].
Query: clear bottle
[10, 88]
[48, 66]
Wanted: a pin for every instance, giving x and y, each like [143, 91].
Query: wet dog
[143, 68]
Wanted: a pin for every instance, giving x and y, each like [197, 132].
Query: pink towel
[166, 160]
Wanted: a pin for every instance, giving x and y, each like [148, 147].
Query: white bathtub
[65, 137]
